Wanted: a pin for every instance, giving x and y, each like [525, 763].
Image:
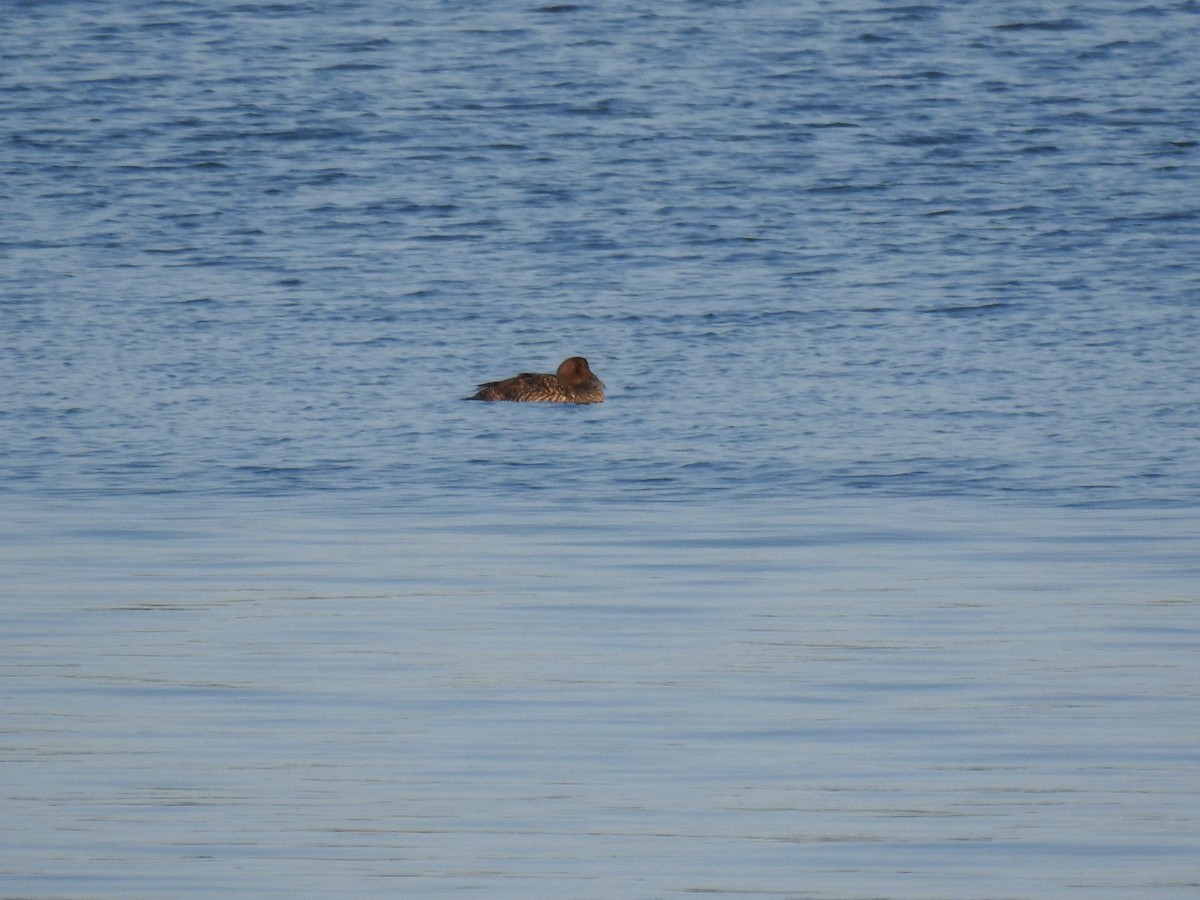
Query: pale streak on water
[874, 578]
[285, 703]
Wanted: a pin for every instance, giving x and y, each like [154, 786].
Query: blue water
[874, 576]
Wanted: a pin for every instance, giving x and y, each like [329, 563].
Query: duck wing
[526, 386]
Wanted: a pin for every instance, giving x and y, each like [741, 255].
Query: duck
[572, 383]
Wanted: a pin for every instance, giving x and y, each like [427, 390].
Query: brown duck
[572, 383]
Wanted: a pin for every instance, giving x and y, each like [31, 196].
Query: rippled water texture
[932, 249]
[874, 576]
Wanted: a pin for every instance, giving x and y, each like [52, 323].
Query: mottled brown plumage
[572, 383]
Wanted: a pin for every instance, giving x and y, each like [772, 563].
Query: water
[873, 577]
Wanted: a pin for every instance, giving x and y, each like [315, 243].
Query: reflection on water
[280, 700]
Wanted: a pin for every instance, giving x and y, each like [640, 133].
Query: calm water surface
[875, 576]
